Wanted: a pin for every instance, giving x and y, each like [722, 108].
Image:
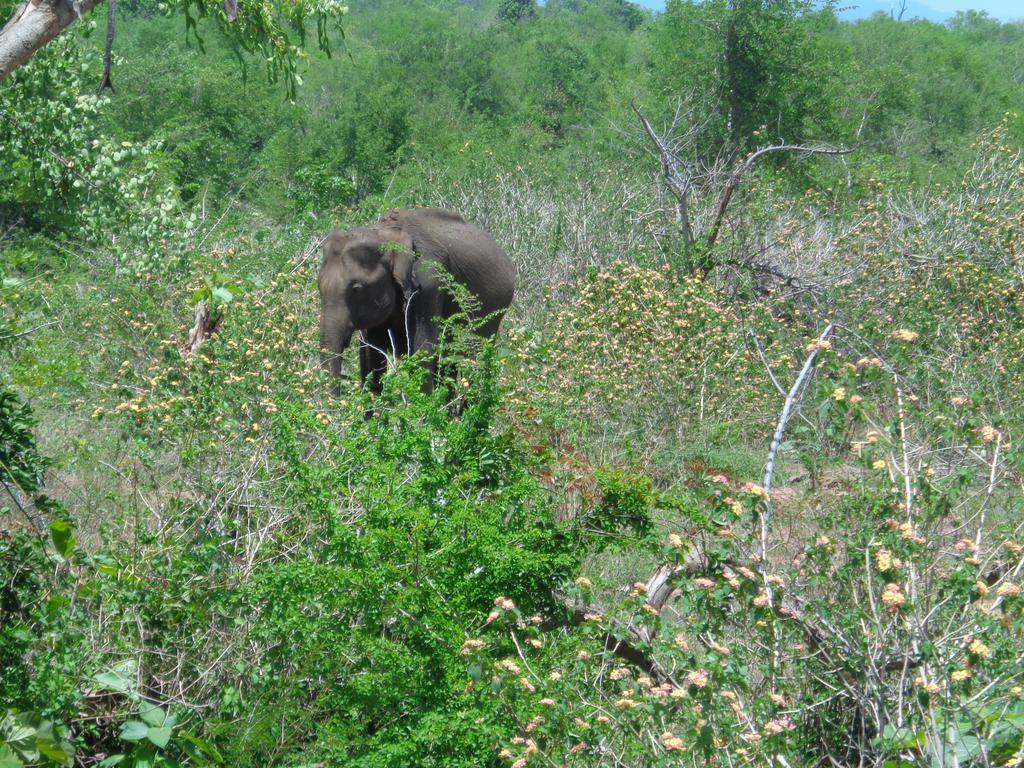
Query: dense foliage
[738, 483]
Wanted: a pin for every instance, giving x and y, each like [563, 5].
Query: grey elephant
[386, 281]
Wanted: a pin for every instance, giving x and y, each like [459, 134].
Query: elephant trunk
[335, 334]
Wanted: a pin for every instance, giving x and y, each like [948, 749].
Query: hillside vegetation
[739, 482]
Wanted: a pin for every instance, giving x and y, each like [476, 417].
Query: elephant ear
[400, 257]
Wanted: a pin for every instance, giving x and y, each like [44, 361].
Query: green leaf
[199, 750]
[159, 736]
[21, 737]
[967, 748]
[113, 681]
[901, 738]
[59, 752]
[134, 730]
[111, 761]
[223, 295]
[143, 758]
[61, 531]
[153, 716]
[8, 758]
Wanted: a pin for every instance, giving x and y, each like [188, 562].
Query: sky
[935, 10]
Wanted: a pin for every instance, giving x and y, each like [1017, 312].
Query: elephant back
[466, 251]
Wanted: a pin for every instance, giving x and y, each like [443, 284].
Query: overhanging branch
[33, 25]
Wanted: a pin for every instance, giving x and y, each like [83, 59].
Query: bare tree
[692, 181]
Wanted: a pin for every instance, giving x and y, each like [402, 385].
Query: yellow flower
[960, 675]
[978, 648]
[886, 561]
[893, 597]
[471, 645]
[839, 394]
[878, 464]
[988, 433]
[670, 742]
[719, 648]
[780, 725]
[698, 678]
[904, 334]
[756, 490]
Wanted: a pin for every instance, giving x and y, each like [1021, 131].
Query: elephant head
[366, 275]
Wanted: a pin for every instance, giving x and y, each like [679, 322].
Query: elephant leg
[372, 362]
[421, 325]
[426, 343]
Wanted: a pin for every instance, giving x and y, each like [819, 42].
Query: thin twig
[30, 330]
[764, 361]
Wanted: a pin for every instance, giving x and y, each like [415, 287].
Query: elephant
[385, 281]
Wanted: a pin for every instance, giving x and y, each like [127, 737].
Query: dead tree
[711, 184]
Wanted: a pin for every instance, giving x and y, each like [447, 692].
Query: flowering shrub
[635, 346]
[888, 635]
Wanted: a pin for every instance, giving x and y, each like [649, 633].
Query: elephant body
[386, 281]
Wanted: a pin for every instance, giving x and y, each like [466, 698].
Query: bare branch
[677, 182]
[737, 175]
[780, 428]
[630, 645]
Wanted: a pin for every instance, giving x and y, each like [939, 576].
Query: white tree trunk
[33, 25]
